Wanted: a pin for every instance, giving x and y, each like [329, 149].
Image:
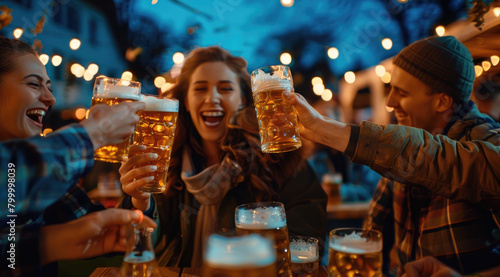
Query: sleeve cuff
[127, 204]
[353, 141]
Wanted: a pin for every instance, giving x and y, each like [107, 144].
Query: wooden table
[173, 272]
[349, 210]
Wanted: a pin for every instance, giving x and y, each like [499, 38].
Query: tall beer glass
[304, 252]
[155, 130]
[267, 219]
[278, 120]
[355, 252]
[241, 256]
[112, 91]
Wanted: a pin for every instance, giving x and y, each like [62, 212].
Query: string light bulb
[387, 43]
[74, 44]
[18, 32]
[333, 53]
[440, 30]
[350, 77]
[56, 60]
[286, 58]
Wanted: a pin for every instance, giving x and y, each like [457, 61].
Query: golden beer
[155, 130]
[112, 91]
[356, 255]
[243, 256]
[304, 253]
[267, 221]
[141, 266]
[278, 120]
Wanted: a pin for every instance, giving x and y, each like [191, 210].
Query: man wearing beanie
[440, 193]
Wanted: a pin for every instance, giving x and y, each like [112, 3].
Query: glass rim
[271, 67]
[261, 205]
[355, 229]
[104, 77]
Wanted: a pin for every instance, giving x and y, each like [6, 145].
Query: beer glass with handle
[112, 91]
[267, 219]
[278, 120]
[239, 256]
[355, 252]
[155, 130]
[304, 253]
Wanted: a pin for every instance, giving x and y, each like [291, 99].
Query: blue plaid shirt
[34, 174]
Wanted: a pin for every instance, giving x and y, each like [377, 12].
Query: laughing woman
[217, 150]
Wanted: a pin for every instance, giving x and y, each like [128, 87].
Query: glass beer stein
[304, 252]
[278, 120]
[112, 91]
[355, 252]
[240, 256]
[267, 219]
[155, 130]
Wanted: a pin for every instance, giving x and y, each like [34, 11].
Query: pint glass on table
[241, 256]
[112, 91]
[355, 252]
[304, 252]
[155, 130]
[278, 121]
[267, 219]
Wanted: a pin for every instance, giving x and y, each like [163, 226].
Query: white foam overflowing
[115, 91]
[161, 105]
[263, 80]
[251, 250]
[261, 218]
[355, 244]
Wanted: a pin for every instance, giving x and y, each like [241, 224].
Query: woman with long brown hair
[217, 164]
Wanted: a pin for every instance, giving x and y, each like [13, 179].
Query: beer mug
[139, 258]
[240, 256]
[267, 219]
[278, 120]
[112, 91]
[355, 252]
[155, 130]
[331, 183]
[304, 253]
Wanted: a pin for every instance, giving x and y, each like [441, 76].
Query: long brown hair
[10, 49]
[241, 140]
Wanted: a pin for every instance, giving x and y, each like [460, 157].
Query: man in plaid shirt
[441, 189]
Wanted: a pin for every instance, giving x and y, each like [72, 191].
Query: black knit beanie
[443, 63]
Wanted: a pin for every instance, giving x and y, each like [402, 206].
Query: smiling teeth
[36, 112]
[212, 114]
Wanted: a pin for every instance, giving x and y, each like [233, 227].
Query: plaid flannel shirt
[45, 170]
[443, 192]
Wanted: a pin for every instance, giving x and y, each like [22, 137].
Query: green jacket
[442, 192]
[302, 196]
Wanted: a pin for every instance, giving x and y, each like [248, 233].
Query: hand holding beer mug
[267, 219]
[155, 130]
[112, 91]
[304, 252]
[241, 256]
[278, 120]
[355, 252]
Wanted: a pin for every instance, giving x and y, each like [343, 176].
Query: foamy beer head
[267, 219]
[155, 130]
[263, 216]
[304, 252]
[112, 91]
[304, 249]
[250, 255]
[278, 121]
[114, 88]
[355, 251]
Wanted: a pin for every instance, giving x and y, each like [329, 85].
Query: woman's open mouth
[36, 115]
[212, 118]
